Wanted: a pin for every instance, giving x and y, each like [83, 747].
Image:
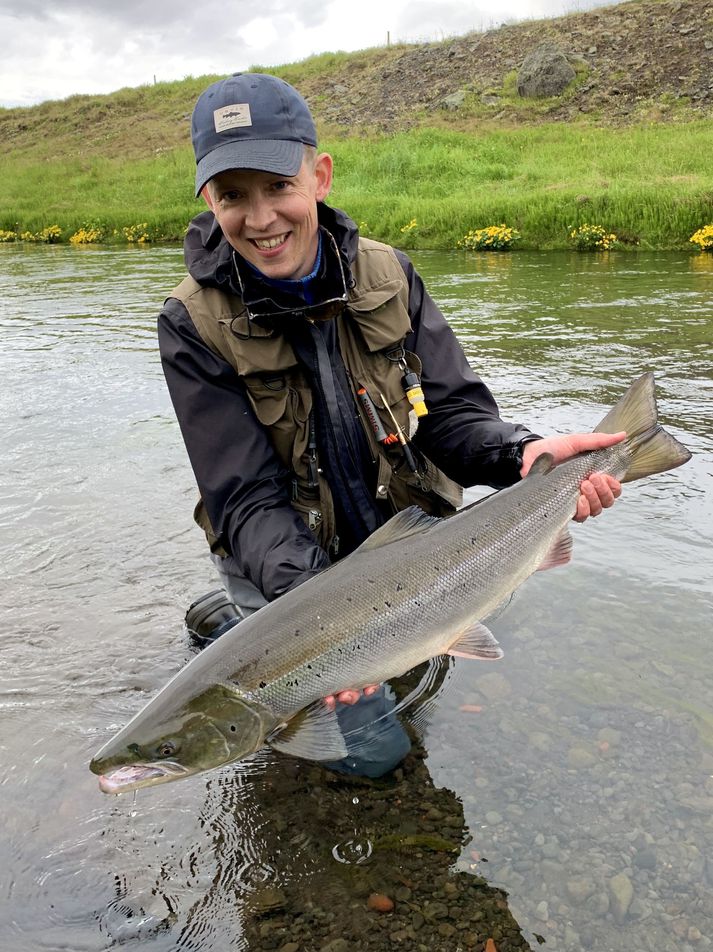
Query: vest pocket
[282, 403]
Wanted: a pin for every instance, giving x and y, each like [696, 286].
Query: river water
[562, 798]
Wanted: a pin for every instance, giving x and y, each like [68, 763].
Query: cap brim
[281, 156]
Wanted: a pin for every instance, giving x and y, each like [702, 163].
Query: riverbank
[425, 188]
[431, 141]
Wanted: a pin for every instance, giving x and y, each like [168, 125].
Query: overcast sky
[54, 48]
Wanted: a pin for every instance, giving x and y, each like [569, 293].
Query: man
[294, 353]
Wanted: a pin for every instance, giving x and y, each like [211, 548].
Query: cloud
[51, 51]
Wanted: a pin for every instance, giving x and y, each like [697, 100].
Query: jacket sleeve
[463, 433]
[244, 486]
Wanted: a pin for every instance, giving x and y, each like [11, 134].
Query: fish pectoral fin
[477, 642]
[560, 552]
[313, 734]
[406, 523]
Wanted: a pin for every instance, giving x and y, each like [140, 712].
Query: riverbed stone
[608, 735]
[622, 892]
[494, 686]
[579, 758]
[580, 889]
[542, 911]
[645, 859]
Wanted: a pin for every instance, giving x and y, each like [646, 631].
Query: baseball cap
[250, 121]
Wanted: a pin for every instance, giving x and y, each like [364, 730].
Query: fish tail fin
[652, 449]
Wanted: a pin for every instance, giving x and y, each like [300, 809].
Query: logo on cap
[232, 117]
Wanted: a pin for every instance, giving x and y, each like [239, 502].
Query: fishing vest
[371, 328]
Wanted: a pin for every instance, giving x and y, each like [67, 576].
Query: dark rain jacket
[246, 490]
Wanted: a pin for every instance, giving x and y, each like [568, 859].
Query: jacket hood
[208, 255]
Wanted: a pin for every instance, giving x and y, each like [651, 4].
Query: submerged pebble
[380, 903]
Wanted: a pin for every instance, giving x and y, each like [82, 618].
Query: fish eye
[166, 749]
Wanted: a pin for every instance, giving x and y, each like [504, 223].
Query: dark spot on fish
[473, 540]
[233, 728]
[349, 598]
[263, 684]
[297, 631]
[375, 607]
[399, 587]
[388, 604]
[371, 581]
[309, 667]
[267, 651]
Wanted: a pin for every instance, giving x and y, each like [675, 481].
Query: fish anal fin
[476, 642]
[406, 523]
[313, 734]
[560, 552]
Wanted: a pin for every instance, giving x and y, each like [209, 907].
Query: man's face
[271, 220]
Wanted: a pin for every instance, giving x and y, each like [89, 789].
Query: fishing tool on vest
[373, 417]
[411, 382]
[405, 448]
[314, 516]
[312, 468]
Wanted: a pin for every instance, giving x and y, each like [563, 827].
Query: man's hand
[598, 491]
[349, 697]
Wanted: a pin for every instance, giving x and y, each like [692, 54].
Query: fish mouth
[133, 776]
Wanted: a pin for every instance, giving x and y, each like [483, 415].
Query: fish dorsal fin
[313, 734]
[543, 464]
[560, 552]
[477, 642]
[406, 523]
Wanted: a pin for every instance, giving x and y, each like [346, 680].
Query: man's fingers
[599, 492]
[350, 696]
[582, 512]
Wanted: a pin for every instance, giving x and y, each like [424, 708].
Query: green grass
[650, 184]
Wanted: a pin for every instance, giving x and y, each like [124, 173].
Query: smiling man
[318, 387]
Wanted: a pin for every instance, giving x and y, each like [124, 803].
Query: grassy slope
[126, 158]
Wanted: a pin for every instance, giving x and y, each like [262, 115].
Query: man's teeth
[267, 243]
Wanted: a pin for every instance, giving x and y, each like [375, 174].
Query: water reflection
[262, 872]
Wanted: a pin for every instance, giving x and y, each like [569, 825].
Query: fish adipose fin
[560, 553]
[313, 734]
[477, 642]
[406, 523]
[652, 449]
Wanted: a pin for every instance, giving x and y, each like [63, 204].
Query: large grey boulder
[545, 72]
